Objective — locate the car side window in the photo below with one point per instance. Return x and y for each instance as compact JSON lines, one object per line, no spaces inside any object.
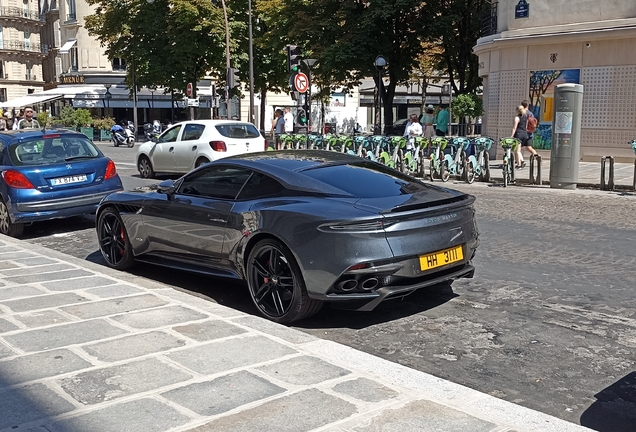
{"x":170,"y":135}
{"x":238,"y":130}
{"x":261,"y":186}
{"x":220,"y":182}
{"x":192,"y":132}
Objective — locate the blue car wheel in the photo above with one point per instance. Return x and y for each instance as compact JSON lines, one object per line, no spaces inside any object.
{"x":6,"y":226}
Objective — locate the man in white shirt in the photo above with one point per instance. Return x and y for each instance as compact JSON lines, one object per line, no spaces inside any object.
{"x":289,"y":121}
{"x":414,"y":128}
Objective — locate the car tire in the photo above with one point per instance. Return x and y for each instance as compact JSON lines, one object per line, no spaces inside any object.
{"x":200,"y":162}
{"x":6,"y":226}
{"x":113,"y":240}
{"x":278,"y":291}
{"x":144,"y":166}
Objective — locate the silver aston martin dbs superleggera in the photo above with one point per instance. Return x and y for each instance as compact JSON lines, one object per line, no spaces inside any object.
{"x":300,"y":227}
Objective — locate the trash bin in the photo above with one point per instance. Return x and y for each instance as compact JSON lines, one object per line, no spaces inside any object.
{"x":566,"y":136}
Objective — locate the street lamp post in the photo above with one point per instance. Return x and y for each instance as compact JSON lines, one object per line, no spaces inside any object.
{"x":380,"y":64}
{"x":251,"y":61}
{"x":310,"y":63}
{"x":152,"y":96}
{"x":107,"y":97}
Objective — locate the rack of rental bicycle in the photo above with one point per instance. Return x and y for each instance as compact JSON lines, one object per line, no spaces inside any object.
{"x":465,"y":158}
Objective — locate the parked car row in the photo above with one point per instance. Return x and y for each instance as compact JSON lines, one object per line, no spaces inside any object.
{"x":300,"y":228}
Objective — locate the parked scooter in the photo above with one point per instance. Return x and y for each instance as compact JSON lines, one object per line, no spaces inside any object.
{"x":122,"y":136}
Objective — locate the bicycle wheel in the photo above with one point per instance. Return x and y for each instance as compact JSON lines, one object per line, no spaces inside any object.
{"x":485,"y":170}
{"x":444,"y":171}
{"x":431,"y":170}
{"x":469,"y":172}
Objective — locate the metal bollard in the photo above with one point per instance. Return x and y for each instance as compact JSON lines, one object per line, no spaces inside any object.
{"x":535,"y":180}
{"x":634,"y":185}
{"x":610,"y":182}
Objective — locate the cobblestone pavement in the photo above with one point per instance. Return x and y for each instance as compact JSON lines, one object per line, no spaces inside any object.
{"x":86,"y":349}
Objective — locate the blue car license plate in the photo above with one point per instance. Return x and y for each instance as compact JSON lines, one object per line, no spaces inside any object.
{"x":68,"y":180}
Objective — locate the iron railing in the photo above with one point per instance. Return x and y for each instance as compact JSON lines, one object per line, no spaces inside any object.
{"x":489,"y":19}
{"x":14,"y":45}
{"x":17,"y":12}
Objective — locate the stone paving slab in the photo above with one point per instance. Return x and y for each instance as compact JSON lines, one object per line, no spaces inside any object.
{"x":106,"y":354}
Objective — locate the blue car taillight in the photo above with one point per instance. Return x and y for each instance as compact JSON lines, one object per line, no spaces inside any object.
{"x":16,"y":180}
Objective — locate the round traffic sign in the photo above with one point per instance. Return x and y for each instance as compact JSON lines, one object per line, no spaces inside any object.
{"x":301,"y":82}
{"x":189,"y":90}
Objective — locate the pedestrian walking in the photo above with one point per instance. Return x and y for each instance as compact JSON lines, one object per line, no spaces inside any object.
{"x":289,"y":121}
{"x":531,"y":126}
{"x":443,"y":117}
{"x":17,"y":118}
{"x":427,"y":120}
{"x":28,"y":122}
{"x":279,"y":127}
{"x":519,"y":132}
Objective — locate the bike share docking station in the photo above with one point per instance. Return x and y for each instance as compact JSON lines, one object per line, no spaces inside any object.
{"x":566,"y":136}
{"x":535,"y":159}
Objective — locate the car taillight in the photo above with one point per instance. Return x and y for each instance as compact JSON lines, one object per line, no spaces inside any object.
{"x":111,"y":171}
{"x":16,"y":180}
{"x":218,"y":146}
{"x":266,"y":145}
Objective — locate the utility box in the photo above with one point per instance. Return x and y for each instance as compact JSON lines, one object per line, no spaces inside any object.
{"x":566,"y":136}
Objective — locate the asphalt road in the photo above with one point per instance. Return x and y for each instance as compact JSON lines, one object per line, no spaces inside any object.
{"x":548,"y":322}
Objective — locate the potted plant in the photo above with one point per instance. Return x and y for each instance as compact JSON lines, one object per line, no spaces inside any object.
{"x":43,"y":118}
{"x":103,"y":125}
{"x":78,"y":119}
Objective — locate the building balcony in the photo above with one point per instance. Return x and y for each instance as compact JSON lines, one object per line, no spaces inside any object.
{"x":21,"y":47}
{"x":12,"y":13}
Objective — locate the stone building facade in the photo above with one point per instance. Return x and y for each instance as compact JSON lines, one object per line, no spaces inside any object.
{"x":528,"y":47}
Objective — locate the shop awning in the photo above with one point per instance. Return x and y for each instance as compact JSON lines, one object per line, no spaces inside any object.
{"x":67,"y":46}
{"x":29,"y":100}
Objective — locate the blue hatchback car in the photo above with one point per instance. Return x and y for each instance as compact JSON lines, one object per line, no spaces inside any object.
{"x":50,"y":174}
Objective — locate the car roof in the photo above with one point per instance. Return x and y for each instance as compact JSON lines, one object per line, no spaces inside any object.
{"x":215,"y":122}
{"x":17,"y":135}
{"x":287,"y":166}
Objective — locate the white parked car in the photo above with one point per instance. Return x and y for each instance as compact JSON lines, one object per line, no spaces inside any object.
{"x":189,"y":144}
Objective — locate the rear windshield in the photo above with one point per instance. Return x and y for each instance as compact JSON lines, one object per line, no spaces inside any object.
{"x":366,"y":180}
{"x":53,"y":149}
{"x":238,"y":130}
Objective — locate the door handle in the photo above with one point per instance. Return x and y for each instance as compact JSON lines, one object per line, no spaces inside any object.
{"x":171,"y":149}
{"x":194,"y":147}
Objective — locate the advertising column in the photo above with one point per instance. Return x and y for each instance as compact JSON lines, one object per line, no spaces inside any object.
{"x":566,"y":136}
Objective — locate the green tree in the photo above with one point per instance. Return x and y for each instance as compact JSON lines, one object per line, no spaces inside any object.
{"x":166,"y":43}
{"x":468,"y":105}
{"x":457,"y":25}
{"x":75,"y":118}
{"x":270,"y":61}
{"x":346,"y":37}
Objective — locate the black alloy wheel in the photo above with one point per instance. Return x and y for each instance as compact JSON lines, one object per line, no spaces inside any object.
{"x":276,"y":284}
{"x":113,"y":240}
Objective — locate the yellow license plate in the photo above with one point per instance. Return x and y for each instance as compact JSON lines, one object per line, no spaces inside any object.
{"x":441,"y":258}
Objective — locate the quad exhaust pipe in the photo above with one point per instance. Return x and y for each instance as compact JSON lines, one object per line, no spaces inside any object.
{"x":368,"y":284}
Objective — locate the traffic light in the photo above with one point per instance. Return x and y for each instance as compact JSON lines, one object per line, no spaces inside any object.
{"x":293,"y":58}
{"x":301,"y":118}
{"x":233,"y":79}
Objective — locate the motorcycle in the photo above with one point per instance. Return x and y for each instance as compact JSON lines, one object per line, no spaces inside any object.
{"x":122,"y":136}
{"x":152,"y":131}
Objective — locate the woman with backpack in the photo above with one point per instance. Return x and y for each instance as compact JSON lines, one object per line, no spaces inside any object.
{"x":520,"y":132}
{"x":531,"y":125}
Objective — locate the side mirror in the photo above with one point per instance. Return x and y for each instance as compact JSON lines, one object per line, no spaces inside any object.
{"x":167,"y":187}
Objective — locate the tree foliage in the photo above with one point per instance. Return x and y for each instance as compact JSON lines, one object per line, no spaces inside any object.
{"x":166,"y":43}
{"x":468,"y":105}
{"x":346,"y":37}
{"x":457,"y":25}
